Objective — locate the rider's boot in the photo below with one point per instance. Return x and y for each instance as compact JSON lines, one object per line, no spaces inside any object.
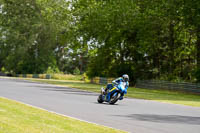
{"x":106,"y":91}
{"x":121,"y":97}
{"x":102,"y":90}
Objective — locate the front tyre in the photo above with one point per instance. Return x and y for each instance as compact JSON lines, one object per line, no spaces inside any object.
{"x":113,"y":98}
{"x":100,"y":99}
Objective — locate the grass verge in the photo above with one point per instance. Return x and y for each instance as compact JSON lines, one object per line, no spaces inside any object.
{"x":157,"y":95}
{"x":19,"y":118}
{"x":66,"y":77}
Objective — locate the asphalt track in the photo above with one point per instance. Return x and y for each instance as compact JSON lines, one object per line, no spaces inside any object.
{"x":132,"y":115}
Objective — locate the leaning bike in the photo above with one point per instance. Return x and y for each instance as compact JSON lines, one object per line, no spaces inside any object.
{"x":113,"y":94}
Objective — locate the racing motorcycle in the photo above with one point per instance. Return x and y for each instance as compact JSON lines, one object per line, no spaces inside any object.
{"x":113,"y":94}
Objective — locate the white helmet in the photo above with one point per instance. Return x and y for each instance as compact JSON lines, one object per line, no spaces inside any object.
{"x":125,"y":77}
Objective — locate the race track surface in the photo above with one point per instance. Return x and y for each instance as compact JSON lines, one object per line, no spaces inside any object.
{"x":132,"y":115}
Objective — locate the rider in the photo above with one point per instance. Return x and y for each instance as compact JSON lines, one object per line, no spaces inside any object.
{"x":124,"y":79}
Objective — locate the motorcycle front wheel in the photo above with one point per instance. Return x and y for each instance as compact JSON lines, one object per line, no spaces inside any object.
{"x":113,"y":98}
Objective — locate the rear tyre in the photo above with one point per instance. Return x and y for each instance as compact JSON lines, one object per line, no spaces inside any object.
{"x":100,"y":99}
{"x":113,"y":98}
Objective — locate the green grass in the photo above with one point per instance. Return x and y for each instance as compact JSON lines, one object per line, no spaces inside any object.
{"x":166,"y":96}
{"x":157,"y":95}
{"x":19,"y":118}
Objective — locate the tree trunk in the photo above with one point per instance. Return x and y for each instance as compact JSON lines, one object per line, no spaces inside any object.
{"x":198,"y":47}
{"x":172,"y":46}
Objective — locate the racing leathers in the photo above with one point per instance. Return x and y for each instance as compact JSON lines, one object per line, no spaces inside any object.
{"x":116,"y":82}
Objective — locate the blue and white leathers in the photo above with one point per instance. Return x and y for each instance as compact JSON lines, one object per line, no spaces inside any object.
{"x":121,"y":80}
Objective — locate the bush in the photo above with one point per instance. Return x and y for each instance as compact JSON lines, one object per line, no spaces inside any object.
{"x":3,"y":70}
{"x":51,"y":70}
{"x":86,"y":78}
{"x":197,"y":74}
{"x":76,"y":71}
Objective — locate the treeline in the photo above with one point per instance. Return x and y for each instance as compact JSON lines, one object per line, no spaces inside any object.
{"x":157,"y":39}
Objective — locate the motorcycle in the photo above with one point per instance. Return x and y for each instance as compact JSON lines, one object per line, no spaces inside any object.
{"x":113,"y":94}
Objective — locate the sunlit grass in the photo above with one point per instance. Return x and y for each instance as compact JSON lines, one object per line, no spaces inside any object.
{"x":166,"y":96}
{"x":19,"y":118}
{"x":149,"y":94}
{"x":67,"y":77}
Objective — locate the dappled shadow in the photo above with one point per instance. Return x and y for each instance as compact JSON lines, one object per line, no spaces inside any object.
{"x":66,"y":90}
{"x":23,"y":81}
{"x":177,"y":119}
{"x":83,"y":93}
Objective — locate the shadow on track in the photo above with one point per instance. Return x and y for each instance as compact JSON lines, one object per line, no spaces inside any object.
{"x":178,"y":119}
{"x":105,"y":103}
{"x":66,"y":90}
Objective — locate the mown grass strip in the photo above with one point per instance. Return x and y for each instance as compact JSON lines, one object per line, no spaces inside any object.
{"x":19,"y":118}
{"x":157,"y":95}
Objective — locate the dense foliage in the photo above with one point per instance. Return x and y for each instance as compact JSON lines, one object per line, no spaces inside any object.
{"x":157,"y":39}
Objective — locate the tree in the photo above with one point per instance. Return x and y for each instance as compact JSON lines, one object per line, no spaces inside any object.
{"x":31,"y":29}
{"x":147,"y":39}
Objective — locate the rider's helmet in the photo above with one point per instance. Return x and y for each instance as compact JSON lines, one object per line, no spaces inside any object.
{"x":125,"y":77}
